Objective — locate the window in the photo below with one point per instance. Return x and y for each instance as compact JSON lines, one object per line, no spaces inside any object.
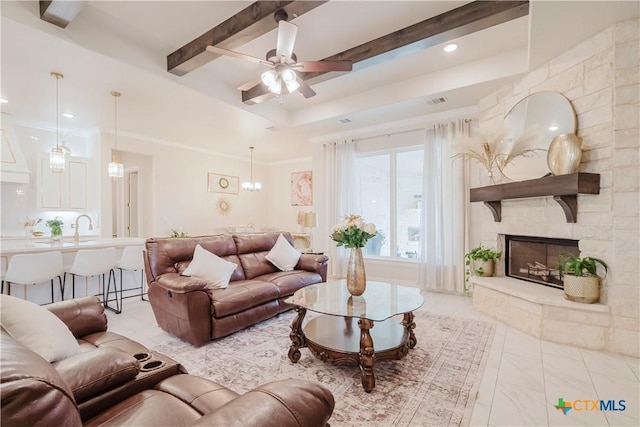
{"x":389,"y":186}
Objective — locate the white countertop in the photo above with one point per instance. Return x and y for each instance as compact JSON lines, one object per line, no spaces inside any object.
{"x":17,"y":246}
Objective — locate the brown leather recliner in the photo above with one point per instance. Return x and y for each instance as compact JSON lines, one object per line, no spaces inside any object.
{"x":187,"y":308}
{"x":107,"y":385}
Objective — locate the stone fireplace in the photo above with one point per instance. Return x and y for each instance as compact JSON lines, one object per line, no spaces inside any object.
{"x":535,"y":259}
{"x":596,"y":76}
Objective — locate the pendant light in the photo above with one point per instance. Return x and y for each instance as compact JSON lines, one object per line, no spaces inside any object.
{"x":56,"y":157}
{"x":116,"y":169}
{"x":251,"y":185}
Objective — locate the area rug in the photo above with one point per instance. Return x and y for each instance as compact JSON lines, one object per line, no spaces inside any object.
{"x":434,"y":385}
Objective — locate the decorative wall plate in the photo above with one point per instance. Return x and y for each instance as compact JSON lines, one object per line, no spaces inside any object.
{"x":224,"y":206}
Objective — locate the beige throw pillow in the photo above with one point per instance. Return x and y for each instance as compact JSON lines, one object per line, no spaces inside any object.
{"x":283,"y":255}
{"x":210,"y":268}
{"x":37,"y":328}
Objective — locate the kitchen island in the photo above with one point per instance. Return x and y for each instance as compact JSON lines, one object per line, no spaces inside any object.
{"x":14,"y":246}
{"x":10,"y":246}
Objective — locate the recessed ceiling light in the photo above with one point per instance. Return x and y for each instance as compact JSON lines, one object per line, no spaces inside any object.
{"x":35,"y":138}
{"x":68,"y":115}
{"x":3,"y":100}
{"x":552,"y":128}
{"x":450,"y":47}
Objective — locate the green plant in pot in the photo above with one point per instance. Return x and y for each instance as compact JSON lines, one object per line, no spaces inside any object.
{"x":56,"y":225}
{"x":481,"y":261}
{"x":178,"y":233}
{"x":580,"y":277}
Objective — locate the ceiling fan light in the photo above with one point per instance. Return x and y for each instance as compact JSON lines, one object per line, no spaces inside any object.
{"x":292,"y":86}
{"x":289,"y":76}
{"x":276,"y":87}
{"x":269,"y":77}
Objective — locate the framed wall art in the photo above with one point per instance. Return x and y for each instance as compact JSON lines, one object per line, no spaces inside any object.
{"x":217,"y":183}
{"x":301,"y":188}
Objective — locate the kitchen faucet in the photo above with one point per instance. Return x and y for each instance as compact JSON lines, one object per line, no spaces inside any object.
{"x":76,"y":235}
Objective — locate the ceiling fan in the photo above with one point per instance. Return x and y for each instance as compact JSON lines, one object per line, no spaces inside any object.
{"x":283,"y":63}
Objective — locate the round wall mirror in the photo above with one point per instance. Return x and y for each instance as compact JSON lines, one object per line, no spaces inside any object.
{"x":532,"y":124}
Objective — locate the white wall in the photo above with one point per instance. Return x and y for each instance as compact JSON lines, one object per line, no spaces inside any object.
{"x":177,"y":183}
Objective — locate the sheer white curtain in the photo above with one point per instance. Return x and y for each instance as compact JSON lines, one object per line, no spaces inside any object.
{"x":339,"y":195}
{"x":445,"y":194}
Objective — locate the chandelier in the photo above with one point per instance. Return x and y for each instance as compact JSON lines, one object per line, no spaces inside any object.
{"x":116,"y":169}
{"x":251,"y":185}
{"x":56,"y":157}
{"x":279,"y":75}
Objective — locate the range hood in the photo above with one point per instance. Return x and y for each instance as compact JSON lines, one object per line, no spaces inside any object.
{"x":13,"y":166}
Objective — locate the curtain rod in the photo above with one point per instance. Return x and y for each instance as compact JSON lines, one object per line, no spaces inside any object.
{"x":400,"y":132}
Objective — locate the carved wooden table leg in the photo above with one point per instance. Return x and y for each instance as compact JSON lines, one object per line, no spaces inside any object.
{"x":367,"y":356}
{"x":410,"y":325}
{"x":297,"y":335}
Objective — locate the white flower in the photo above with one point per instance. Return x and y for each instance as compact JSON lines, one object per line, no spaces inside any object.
{"x":370,"y":228}
{"x":359,"y":223}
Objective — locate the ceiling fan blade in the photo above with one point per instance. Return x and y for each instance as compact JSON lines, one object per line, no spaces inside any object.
{"x":251,"y":83}
{"x":286,"y":38}
{"x":305,"y":89}
{"x":321,"y":66}
{"x":238,"y":55}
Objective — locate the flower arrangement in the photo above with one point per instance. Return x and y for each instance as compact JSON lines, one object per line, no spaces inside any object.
{"x":353,"y":232}
{"x":492,"y":151}
{"x":31,"y":222}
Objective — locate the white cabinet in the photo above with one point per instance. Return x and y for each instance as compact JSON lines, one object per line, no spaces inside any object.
{"x":68,"y":190}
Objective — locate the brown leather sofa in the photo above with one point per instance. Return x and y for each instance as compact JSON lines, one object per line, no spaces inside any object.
{"x":186,"y":308}
{"x":116,"y":381}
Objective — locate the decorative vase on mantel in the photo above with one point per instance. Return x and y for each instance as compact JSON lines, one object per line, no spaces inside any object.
{"x":564,"y":154}
{"x":356,"y":276}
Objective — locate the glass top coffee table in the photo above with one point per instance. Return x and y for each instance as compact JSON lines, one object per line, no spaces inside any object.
{"x":331,"y":336}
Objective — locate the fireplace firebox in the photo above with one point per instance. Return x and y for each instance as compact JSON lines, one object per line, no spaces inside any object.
{"x":535,"y":259}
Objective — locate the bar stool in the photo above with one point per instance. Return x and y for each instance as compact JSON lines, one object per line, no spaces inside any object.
{"x":132,"y":260}
{"x":98,"y":263}
{"x":31,"y":269}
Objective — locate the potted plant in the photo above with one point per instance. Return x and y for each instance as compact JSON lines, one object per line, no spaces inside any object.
{"x":580,"y":278}
{"x":56,"y":225}
{"x":481,"y":261}
{"x":178,"y":233}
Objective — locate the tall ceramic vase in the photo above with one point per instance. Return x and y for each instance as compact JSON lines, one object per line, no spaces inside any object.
{"x":356,"y":276}
{"x":564,"y":154}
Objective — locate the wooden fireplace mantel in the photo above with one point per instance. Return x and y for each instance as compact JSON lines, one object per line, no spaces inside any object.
{"x":563,"y":188}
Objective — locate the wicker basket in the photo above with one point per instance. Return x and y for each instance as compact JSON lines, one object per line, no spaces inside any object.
{"x":582,"y":289}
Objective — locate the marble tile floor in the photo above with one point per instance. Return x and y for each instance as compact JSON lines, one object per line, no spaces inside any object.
{"x":523,"y":378}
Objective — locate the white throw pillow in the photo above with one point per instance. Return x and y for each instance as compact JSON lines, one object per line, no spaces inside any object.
{"x":37,"y":328}
{"x":283,"y":255}
{"x":210,"y":267}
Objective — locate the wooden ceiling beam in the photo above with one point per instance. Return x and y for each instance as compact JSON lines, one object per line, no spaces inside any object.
{"x":248,"y":24}
{"x":452,"y":24}
{"x":59,"y":12}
